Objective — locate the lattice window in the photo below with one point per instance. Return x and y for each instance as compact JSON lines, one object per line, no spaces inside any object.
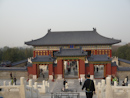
{"x":94,"y":52}
{"x":105,"y":51}
{"x":38,"y":52}
{"x":43,"y":52}
{"x":99,"y":52}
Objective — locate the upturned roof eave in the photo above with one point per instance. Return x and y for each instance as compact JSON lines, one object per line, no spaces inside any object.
{"x":72,"y":44}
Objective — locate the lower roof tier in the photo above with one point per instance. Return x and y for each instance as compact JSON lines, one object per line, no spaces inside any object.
{"x":70,"y":52}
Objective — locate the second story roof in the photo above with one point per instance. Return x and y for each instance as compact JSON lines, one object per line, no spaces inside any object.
{"x":71,"y":52}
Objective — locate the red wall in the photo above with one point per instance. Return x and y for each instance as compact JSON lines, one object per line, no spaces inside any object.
{"x":50,"y":69}
{"x":32,"y":70}
{"x":81,"y":67}
{"x":59,"y":67}
{"x":91,"y":66}
{"x":108,"y":69}
{"x":55,"y":70}
{"x":87,"y":70}
{"x":114,"y":70}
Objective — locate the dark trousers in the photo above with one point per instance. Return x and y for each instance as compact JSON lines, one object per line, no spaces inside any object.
{"x":89,"y":95}
{"x":15,"y":82}
{"x":80,"y":83}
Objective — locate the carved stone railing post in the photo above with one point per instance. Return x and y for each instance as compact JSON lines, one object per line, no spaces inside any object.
{"x":95,"y":85}
{"x":43,"y":86}
{"x":109,"y":92}
{"x":48,"y":85}
{"x":128,"y":90}
{"x":35,"y":87}
{"x":103,"y":89}
{"x":22,"y":88}
{"x":99,"y":90}
{"x":4,"y":83}
{"x":9,"y":83}
{"x":31,"y":87}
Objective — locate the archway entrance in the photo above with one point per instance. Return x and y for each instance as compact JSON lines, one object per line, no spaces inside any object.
{"x":70,"y":69}
{"x":99,"y":71}
{"x":44,"y":72}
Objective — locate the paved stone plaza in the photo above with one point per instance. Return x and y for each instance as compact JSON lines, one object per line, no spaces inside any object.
{"x":57,"y":85}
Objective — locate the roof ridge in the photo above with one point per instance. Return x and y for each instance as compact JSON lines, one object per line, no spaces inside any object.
{"x":69,"y":31}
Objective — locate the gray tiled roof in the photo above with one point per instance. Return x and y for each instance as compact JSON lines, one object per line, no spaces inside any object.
{"x":123,"y":60}
{"x":6,"y":63}
{"x":44,"y":58}
{"x":14,"y":68}
{"x":72,"y":38}
{"x":71,"y":52}
{"x":99,"y":58}
{"x":19,"y":62}
{"x":123,"y":68}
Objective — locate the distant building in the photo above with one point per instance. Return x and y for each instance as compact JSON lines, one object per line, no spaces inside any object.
{"x":59,"y":51}
{"x":5,"y":64}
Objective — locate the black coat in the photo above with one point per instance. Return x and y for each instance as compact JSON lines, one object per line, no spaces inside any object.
{"x":64,"y":82}
{"x":87,"y":83}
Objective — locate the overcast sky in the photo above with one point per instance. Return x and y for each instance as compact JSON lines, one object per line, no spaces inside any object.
{"x":24,"y":20}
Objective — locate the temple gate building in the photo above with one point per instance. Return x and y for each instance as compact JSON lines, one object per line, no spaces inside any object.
{"x":72,"y":54}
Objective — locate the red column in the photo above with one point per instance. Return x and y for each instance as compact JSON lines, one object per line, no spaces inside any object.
{"x":110,"y":53}
{"x":59,"y":67}
{"x":91,"y":69}
{"x":50,"y":69}
{"x":81,"y":67}
{"x":95,"y":52}
{"x":33,"y":53}
{"x":108,"y":71}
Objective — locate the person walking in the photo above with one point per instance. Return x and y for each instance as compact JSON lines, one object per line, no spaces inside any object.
{"x":15,"y":80}
{"x":64,"y":82}
{"x":66,"y":86}
{"x":12,"y":81}
{"x":97,"y":69}
{"x":43,"y":75}
{"x":80,"y":81}
{"x":90,"y":88}
{"x":11,"y":75}
{"x":123,"y":83}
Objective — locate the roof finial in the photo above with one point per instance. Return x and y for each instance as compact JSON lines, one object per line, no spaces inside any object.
{"x":94,"y":29}
{"x":49,"y":30}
